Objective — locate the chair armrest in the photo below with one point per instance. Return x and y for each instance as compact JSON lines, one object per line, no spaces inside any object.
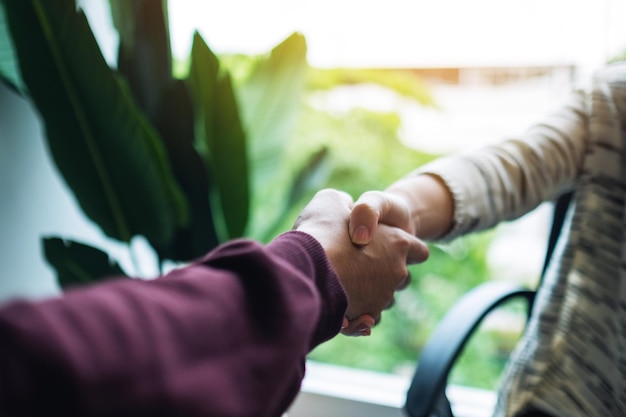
{"x":427,"y":390}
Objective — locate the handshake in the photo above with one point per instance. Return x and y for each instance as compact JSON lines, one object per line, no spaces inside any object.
{"x":369,"y":243}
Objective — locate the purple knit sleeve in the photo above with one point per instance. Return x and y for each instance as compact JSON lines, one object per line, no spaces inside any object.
{"x":226,"y":336}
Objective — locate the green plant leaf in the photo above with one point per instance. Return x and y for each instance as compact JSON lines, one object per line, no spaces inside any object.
{"x":174,"y":119}
{"x":311,"y":176}
{"x":77,"y":263}
{"x":123,"y":15}
{"x":144,"y":59}
{"x":144,"y":55}
{"x":9,"y":69}
{"x":107,"y":151}
{"x":221,"y":138}
{"x":271,"y":100}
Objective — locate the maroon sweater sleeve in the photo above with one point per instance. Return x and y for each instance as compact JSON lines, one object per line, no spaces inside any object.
{"x":226,"y":336}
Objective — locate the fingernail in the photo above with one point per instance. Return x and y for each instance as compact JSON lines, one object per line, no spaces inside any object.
{"x":366,"y":332}
{"x":344,"y":323}
{"x":368,"y":321}
{"x":360,"y":235}
{"x":363,"y":328}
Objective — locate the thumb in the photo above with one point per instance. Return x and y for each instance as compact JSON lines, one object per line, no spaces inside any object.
{"x":362,"y":223}
{"x":375,"y":207}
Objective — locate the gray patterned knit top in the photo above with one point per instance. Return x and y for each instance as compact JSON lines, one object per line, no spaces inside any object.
{"x":572,"y":359}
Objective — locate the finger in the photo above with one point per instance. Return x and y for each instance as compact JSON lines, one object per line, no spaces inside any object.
{"x":345,"y":323}
{"x":329,"y":198}
{"x":391,"y":209}
{"x":362,"y":224}
{"x":375,"y":207}
{"x":325,"y":203}
{"x":417,"y":252}
{"x":404,"y":283}
{"x":360,"y":326}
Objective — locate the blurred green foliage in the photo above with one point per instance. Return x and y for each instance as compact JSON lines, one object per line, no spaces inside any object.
{"x":355,"y":150}
{"x":618,"y":58}
{"x":365,"y":153}
{"x":179,"y":154}
{"x":402,"y":82}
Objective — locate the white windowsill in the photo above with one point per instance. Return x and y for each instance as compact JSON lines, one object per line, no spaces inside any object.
{"x":334,"y":391}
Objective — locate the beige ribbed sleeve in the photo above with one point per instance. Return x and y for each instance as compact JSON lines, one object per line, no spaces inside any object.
{"x":505,"y":181}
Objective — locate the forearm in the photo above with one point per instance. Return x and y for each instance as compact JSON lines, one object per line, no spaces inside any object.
{"x":475,"y":190}
{"x":225,"y":336}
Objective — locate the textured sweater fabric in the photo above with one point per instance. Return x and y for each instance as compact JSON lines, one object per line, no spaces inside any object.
{"x":571,"y":360}
{"x":225,"y":336}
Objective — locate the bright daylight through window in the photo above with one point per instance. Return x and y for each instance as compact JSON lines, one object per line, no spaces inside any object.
{"x":407,"y":80}
{"x":390,"y":86}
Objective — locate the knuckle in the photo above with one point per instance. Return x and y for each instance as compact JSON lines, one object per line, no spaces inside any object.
{"x":403,"y":242}
{"x":372,"y":194}
{"x":326,"y":192}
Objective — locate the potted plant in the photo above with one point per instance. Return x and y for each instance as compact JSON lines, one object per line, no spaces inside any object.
{"x":177,"y":159}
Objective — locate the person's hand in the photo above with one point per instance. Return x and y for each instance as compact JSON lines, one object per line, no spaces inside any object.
{"x":371,"y":208}
{"x":374,"y":207}
{"x":370,"y":274}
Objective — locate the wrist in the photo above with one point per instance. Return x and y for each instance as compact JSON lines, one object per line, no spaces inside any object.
{"x":403,"y":197}
{"x":430,"y":202}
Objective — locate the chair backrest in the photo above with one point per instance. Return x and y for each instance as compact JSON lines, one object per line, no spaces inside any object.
{"x":560,"y":209}
{"x":426,"y":396}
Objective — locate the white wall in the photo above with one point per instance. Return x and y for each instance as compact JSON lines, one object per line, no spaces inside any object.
{"x":34,"y":202}
{"x":29,"y":200}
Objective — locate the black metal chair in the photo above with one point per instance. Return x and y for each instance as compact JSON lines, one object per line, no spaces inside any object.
{"x":426,"y":396}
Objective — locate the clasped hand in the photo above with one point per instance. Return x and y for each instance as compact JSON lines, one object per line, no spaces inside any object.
{"x":369,"y":273}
